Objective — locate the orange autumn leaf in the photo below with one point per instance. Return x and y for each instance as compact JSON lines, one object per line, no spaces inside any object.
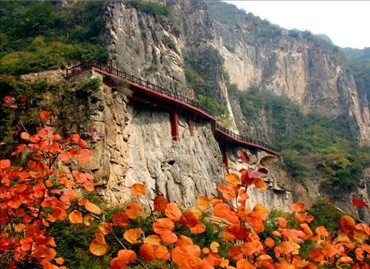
{"x":306,"y":229}
{"x":15,"y":202}
{"x":269,"y":242}
{"x":188,"y":219}
{"x":92,"y":208}
{"x":240,"y":232}
{"x":59,"y":260}
{"x":297,"y":207}
{"x":281,"y":222}
{"x":198,"y":229}
{"x":39,"y":190}
{"x":243,"y":195}
{"x":44,"y":115}
{"x":214,"y":247}
{"x":185,"y":254}
{"x":4,"y":164}
{"x":329,"y":250}
{"x":228,"y":192}
{"x":117,"y":263}
{"x":221,"y":210}
{"x":162,"y":253}
{"x":98,"y":248}
{"x":84,"y":156}
{"x":147,"y":252}
{"x":138,"y":189}
{"x":132,"y":235}
{"x":163,"y":224}
{"x":346,"y":224}
{"x":203,"y":202}
{"x":173,"y":212}
{"x":363,"y":227}
{"x":127,"y":256}
{"x":300,"y":217}
{"x":160,"y":203}
{"x":233,"y":179}
{"x":344,"y":260}
{"x":25,"y":136}
{"x":232,"y":217}
{"x":309,"y":219}
{"x":205,"y":250}
{"x":244,"y":264}
{"x":249,"y":248}
{"x":235,"y":253}
{"x":120,"y":219}
{"x":260,"y":184}
{"x":133,"y":210}
{"x":44,"y":251}
{"x":87,"y":218}
{"x":283,"y":249}
{"x":255,"y":221}
{"x":321,"y":231}
{"x":168,"y":237}
{"x":105,"y":227}
{"x":75,"y":217}
{"x":89,"y":185}
{"x":316,"y":255}
{"x":261,"y":210}
{"x":152,"y":240}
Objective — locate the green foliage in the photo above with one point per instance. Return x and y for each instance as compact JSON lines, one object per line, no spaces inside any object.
{"x":202,"y":71}
{"x":24,"y":113}
{"x":151,"y":8}
{"x":35,"y":36}
{"x":88,"y":87}
{"x":73,"y":241}
{"x":272,"y":225}
{"x":361,"y":71}
{"x":212,"y":105}
{"x":325,"y":214}
{"x":313,"y":146}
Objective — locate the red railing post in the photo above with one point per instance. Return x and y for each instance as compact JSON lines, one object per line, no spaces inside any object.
{"x":191,"y":127}
{"x":174,"y":119}
{"x":225,"y":157}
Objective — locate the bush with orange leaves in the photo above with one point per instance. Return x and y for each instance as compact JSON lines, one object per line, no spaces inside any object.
{"x":241,"y":227}
{"x":36,"y":196}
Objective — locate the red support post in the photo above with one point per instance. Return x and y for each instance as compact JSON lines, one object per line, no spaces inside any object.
{"x":174,"y":119}
{"x":225,"y":157}
{"x":191,"y":127}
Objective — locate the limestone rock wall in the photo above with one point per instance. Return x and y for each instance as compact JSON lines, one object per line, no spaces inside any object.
{"x":289,"y":63}
{"x":133,"y":143}
{"x":294,"y":64}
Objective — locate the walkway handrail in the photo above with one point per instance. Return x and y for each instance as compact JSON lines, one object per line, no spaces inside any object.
{"x":178,"y":96}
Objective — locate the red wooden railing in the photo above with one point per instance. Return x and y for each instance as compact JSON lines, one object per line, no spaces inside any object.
{"x":172,"y":98}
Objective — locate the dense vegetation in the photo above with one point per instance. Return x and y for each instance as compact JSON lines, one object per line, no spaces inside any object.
{"x":314,"y":147}
{"x":35,"y":36}
{"x":203,"y":71}
{"x":151,"y":8}
{"x":359,"y":62}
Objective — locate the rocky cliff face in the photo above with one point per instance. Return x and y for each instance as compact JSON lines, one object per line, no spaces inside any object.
{"x":295,"y":64}
{"x":137,"y":145}
{"x":133,"y":143}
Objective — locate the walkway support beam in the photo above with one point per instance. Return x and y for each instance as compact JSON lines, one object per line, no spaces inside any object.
{"x":174,"y":119}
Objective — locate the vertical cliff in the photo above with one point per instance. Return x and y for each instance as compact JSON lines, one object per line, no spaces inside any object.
{"x":136,"y":144}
